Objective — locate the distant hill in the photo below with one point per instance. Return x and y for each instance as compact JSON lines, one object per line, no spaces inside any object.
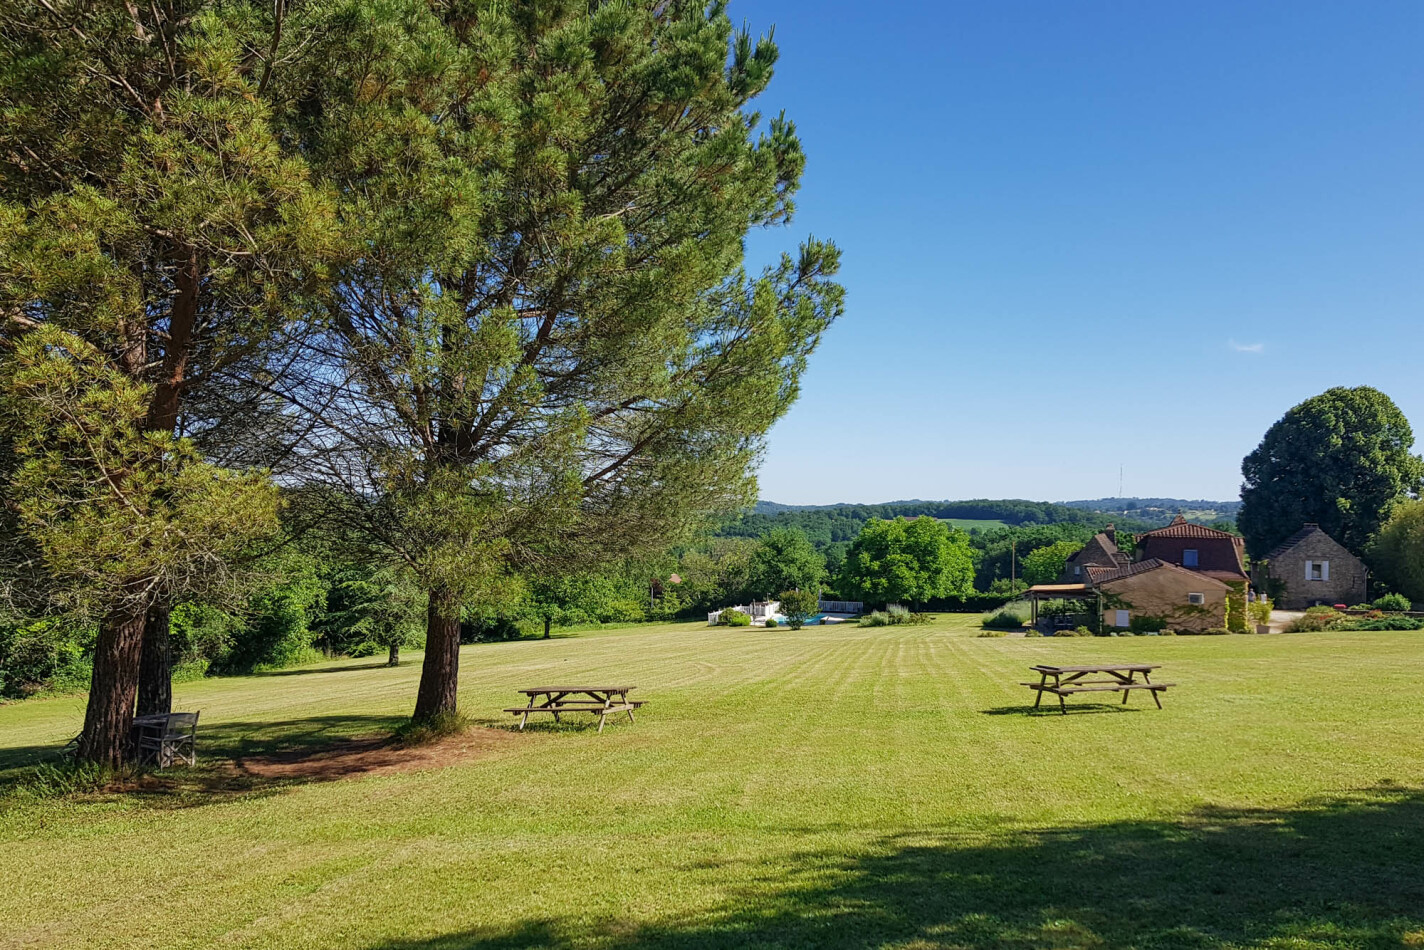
{"x":1153,"y":509}
{"x":829,"y":524}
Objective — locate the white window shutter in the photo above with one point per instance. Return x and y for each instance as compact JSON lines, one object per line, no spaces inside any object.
{"x":1309,"y":569}
{"x":1325,"y":570}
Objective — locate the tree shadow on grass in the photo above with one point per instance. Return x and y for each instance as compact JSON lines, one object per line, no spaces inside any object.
{"x":1074,"y":709}
{"x":1331,"y":875}
{"x":309,"y":670}
{"x":246,"y":759}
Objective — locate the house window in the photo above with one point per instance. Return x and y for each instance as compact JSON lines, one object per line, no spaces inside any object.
{"x":1121,"y":619}
{"x":1077,"y":569}
{"x":1197,"y":599}
{"x":1317,"y":570}
{"x":1189,"y":557}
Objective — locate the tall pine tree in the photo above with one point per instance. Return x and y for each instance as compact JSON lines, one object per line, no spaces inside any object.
{"x":548,"y":353}
{"x":156,"y":228}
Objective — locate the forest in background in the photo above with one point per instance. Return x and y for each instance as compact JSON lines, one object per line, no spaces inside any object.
{"x":319,"y":603}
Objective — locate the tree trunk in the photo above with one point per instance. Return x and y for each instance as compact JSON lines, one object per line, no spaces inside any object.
{"x":155,"y":670}
{"x":109,"y":718}
{"x":547,"y":624}
{"x":394,"y":659}
{"x":440,"y":673}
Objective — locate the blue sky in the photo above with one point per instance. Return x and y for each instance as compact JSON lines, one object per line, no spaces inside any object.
{"x":1086,"y":235}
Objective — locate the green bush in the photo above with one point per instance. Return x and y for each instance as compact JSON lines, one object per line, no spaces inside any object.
{"x":735,"y":618}
{"x":1216,"y":632}
{"x":1379,"y":623}
{"x":798,"y":605}
{"x":1033,"y":633}
{"x":45,"y":654}
{"x":1075,"y":632}
{"x":993,"y":633}
{"x":1259,"y":610}
{"x":1145,"y":623}
{"x":1393,"y":602}
{"x":773,"y":622}
{"x":1168,"y":633}
{"x":1006,"y":619}
{"x":1315,"y":620}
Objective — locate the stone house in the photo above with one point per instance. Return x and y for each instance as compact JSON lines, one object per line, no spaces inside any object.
{"x":1310,"y":568}
{"x":1184,"y":599}
{"x":1100,"y":551}
{"x":1195,"y":547}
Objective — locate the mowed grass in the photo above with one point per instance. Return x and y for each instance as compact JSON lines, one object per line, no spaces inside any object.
{"x":832,"y":787}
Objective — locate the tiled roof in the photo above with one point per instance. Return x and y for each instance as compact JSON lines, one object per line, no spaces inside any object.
{"x":1290,"y":542}
{"x":1100,"y":576}
{"x":1100,"y":550}
{"x":1182,"y":528}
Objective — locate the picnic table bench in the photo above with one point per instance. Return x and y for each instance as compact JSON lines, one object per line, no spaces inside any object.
{"x":557,"y":700}
{"x":1121,"y":677}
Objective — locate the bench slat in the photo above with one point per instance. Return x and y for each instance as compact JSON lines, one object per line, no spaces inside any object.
{"x":1120,"y":688}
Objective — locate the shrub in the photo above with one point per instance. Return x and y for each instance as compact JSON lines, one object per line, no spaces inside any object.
{"x":1144,"y":624}
{"x":773,"y":622}
{"x":1395,"y":602}
{"x":1075,"y":632}
{"x":1033,"y":633}
{"x":1168,"y":633}
{"x":1315,"y":620}
{"x":1395,"y":622}
{"x":735,"y":618}
{"x":1216,"y":632}
{"x":893,"y":615}
{"x":993,"y":633}
{"x":1006,"y":619}
{"x":45,"y":654}
{"x":1259,"y":610}
{"x":798,"y":605}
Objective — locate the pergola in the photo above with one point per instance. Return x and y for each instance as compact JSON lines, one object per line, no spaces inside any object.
{"x":1060,"y":592}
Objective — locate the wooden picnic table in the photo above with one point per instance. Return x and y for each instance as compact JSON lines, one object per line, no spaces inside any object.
{"x":1122,"y":677}
{"x":557,"y":700}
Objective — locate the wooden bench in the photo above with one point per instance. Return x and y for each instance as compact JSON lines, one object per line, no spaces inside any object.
{"x":162,"y":738}
{"x":1067,"y":680}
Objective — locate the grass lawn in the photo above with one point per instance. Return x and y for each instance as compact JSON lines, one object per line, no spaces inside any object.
{"x":832,"y":787}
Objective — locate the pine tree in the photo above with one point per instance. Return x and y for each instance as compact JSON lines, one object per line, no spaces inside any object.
{"x":156,"y":229}
{"x":548,"y":354}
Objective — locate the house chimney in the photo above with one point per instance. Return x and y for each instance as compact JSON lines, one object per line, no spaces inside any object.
{"x":1111,"y":532}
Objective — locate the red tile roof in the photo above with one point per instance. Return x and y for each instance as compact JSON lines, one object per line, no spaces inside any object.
{"x":1182,"y":528}
{"x":1100,"y":576}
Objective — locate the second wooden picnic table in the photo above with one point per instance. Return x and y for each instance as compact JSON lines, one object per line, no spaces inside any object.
{"x":557,"y":700}
{"x":1122,"y":677}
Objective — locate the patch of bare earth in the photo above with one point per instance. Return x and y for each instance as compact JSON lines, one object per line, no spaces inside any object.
{"x":376,"y":755}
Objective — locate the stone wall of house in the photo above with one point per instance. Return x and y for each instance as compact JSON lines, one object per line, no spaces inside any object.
{"x":1347,"y":574}
{"x":1163,"y":593}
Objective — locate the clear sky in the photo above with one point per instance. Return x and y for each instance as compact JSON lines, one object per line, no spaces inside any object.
{"x":1086,"y":235}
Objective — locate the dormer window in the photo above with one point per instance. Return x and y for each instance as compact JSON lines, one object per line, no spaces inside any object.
{"x":1189,"y":557}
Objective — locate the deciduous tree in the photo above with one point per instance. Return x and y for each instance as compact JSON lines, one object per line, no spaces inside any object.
{"x":909,"y":561}
{"x":785,"y":560}
{"x":1397,"y":552}
{"x":1340,"y":460}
